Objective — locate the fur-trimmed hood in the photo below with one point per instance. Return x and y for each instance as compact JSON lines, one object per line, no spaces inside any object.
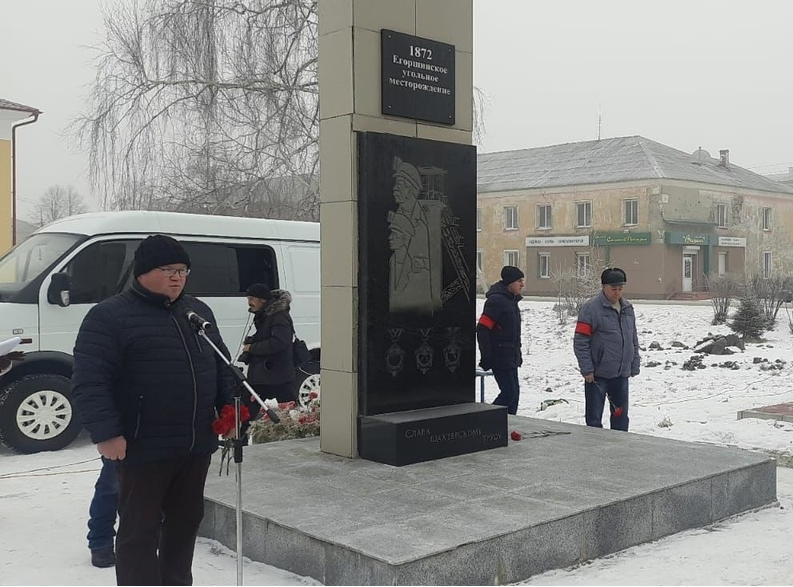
{"x":280,"y":302}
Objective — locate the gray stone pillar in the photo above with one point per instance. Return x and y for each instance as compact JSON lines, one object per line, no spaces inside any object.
{"x":350,"y":102}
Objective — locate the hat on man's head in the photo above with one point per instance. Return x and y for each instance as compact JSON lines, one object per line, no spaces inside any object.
{"x":158,"y":250}
{"x":259,"y":290}
{"x":510,"y":274}
{"x":614,"y":276}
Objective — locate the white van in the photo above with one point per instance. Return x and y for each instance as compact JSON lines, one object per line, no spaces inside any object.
{"x":50,"y":281}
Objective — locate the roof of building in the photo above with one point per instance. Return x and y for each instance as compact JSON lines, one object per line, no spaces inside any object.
{"x":9,"y":105}
{"x":611,"y":160}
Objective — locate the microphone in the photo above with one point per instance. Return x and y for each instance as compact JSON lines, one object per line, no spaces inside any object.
{"x":198,"y":321}
{"x":272,"y":415}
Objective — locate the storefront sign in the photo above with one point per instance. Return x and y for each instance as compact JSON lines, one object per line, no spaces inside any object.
{"x":558,"y":241}
{"x":622,"y":238}
{"x":685,"y":238}
{"x":732,"y":241}
{"x":417,"y":77}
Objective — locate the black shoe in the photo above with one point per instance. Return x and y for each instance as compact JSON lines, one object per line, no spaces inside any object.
{"x":103,"y":557}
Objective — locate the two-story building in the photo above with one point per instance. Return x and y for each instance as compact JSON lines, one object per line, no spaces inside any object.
{"x":12,"y":116}
{"x":667,"y":217}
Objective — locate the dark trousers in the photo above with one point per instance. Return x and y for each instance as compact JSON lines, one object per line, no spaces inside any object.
{"x":104,"y":507}
{"x":616,"y":390}
{"x":508,"y":384}
{"x":161,"y":505}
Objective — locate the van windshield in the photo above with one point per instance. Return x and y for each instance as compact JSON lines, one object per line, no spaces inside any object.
{"x":25,"y":262}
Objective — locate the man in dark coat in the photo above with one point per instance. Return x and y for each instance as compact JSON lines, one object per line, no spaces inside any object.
{"x":271,"y":368}
{"x":148,"y":388}
{"x":606,"y":346}
{"x":498,"y":334}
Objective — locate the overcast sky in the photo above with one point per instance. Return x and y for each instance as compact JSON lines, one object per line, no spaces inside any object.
{"x":686,"y":73}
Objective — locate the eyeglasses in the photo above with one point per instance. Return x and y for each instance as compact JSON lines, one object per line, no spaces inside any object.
{"x":171,"y":271}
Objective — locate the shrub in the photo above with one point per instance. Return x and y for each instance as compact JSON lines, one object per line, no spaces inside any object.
{"x":748,"y":320}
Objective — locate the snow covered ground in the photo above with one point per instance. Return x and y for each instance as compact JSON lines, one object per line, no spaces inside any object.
{"x":44,"y":497}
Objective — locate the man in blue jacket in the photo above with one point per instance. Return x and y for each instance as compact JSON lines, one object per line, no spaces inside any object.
{"x":148,"y":388}
{"x":606,"y":346}
{"x":498,"y":334}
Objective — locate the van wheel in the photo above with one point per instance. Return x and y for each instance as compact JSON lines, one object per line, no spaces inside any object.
{"x":36,"y":414}
{"x":307,"y":381}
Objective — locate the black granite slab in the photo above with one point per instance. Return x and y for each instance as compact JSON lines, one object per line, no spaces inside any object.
{"x":415,"y":436}
{"x":417,"y":243}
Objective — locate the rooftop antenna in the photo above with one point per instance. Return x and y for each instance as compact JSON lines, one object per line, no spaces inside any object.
{"x":600,"y":119}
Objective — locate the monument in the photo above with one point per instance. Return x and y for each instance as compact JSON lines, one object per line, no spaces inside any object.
{"x":398,"y":204}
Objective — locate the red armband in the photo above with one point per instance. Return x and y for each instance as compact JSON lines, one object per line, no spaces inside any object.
{"x":487,"y":322}
{"x":583,"y":328}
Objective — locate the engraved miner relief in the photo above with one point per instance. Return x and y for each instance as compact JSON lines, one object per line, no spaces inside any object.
{"x":451,"y":352}
{"x":421,"y":229}
{"x":415,"y":267}
{"x":394,"y":355}
{"x":425,"y":353}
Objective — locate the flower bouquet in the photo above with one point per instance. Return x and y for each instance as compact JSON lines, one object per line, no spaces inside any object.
{"x":297,"y":421}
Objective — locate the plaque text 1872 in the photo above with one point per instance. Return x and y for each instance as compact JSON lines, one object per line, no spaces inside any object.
{"x":417,"y":77}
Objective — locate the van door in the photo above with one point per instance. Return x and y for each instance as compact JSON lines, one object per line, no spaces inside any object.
{"x":302,"y":270}
{"x":96,"y":271}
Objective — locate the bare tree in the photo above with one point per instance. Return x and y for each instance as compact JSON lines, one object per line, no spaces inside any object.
{"x":197,"y":102}
{"x":770,"y":295}
{"x":725,"y":288}
{"x":210,"y":106}
{"x":57,"y":202}
{"x":575,"y":285}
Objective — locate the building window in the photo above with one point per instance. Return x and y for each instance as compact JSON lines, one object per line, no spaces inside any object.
{"x":767,"y":265}
{"x":722,"y":264}
{"x":721,"y":215}
{"x":583,"y":214}
{"x":510,"y":218}
{"x":544,"y":217}
{"x":582,"y":266}
{"x":544,"y":265}
{"x":478,"y":219}
{"x":479,"y":261}
{"x":511,"y":258}
{"x":766,"y":218}
{"x":631,"y":212}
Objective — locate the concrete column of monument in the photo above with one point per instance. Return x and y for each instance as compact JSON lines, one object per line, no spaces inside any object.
{"x":389,"y":305}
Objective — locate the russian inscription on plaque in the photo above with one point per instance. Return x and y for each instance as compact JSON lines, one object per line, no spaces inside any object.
{"x":417,"y":77}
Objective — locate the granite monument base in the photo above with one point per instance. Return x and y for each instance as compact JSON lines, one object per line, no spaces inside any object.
{"x":563,"y":495}
{"x":415,"y":436}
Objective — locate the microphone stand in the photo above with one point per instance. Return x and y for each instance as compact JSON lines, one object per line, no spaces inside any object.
{"x":242,"y":381}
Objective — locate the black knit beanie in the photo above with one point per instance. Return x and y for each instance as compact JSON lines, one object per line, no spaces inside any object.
{"x":510,"y":274}
{"x":158,"y":250}
{"x":259,"y":290}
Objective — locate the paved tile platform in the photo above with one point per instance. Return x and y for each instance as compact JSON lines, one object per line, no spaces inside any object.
{"x":776,"y":412}
{"x":563,"y":495}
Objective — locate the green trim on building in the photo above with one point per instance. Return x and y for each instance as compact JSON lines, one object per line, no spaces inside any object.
{"x":623,"y":238}
{"x":686,"y":238}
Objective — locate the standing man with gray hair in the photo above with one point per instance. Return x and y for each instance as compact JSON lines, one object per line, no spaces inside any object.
{"x":606,"y":346}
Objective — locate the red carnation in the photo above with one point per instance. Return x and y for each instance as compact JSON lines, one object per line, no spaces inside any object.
{"x":618,"y":412}
{"x":516,"y":435}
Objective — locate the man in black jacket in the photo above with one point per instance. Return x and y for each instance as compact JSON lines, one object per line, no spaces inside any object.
{"x":498,"y":334}
{"x":148,"y":388}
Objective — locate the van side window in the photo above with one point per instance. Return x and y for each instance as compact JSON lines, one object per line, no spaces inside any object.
{"x":100,"y":271}
{"x":228,"y":269}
